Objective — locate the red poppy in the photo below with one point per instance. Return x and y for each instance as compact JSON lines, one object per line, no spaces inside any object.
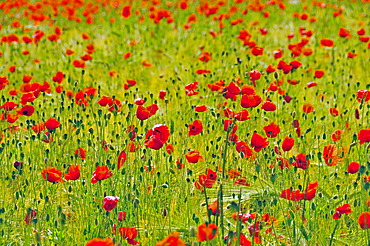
{"x":336,"y":135}
{"x":143,"y":113}
{"x":194,"y":156}
{"x":122,"y":215}
{"x":363,"y":96}
{"x":257,"y":51}
{"x":129,"y":234}
{"x":207,"y":232}
{"x":31,"y":215}
{"x":295,"y":64}
{"x":301,"y":161}
{"x":327,"y":42}
{"x":73,"y":172}
{"x":310,"y":192}
{"x":242,"y":116}
{"x":100,"y":242}
{"x":195,"y":128}
{"x":139,"y":101}
{"x":79,"y":63}
{"x":110,"y":202}
{"x":361,"y":32}
{"x":330,"y":155}
{"x":26,"y":110}
{"x":157,"y":136}
{"x":101,"y":173}
{"x":344,"y":32}
{"x":9,"y":106}
{"x":345,"y":209}
{"x":27,"y":78}
{"x":52,"y":124}
{"x":230,"y":126}
{"x":308,"y":108}
{"x":162,"y":94}
{"x":242,"y":147}
{"x":319,"y":73}
{"x":268,"y":106}
{"x":258,"y":142}
{"x":364,"y":135}
{"x":250,"y":101}
{"x":231,"y":91}
{"x":121,"y":159}
{"x":81,"y":153}
{"x":287,"y":144}
{"x":292,"y":195}
{"x":353,"y":167}
{"x":52,"y":175}
{"x":126,"y":11}
{"x":272,"y":130}
{"x":200,"y":108}
{"x":173,"y":239}
{"x":364,"y":220}
{"x":205,"y":56}
{"x":169,"y":149}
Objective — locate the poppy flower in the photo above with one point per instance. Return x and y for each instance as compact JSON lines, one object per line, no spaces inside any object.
{"x":344,"y":32}
{"x":330,"y":155}
{"x":173,"y":239}
{"x":195,"y":128}
{"x":258,"y":142}
{"x":242,"y":116}
{"x":100,"y":242}
{"x":205,"y":56}
{"x":31,"y":215}
{"x":327,"y":42}
{"x":242,"y":181}
{"x":319,"y":73}
{"x":73,"y":172}
{"x":250,"y":101}
{"x":364,"y":135}
{"x":242,"y":147}
{"x":231,"y":91}
{"x":139,"y":101}
{"x":257,"y":51}
{"x":81,"y":153}
{"x":162,"y":94}
{"x":364,"y":220}
{"x":157,"y":136}
{"x":143,"y":113}
{"x":353,"y":167}
{"x":363,"y":96}
{"x":292,"y":195}
{"x":121,"y":159}
{"x":27,"y":78}
{"x":169,"y":149}
{"x":207,"y":232}
{"x":336,"y":135}
{"x":52,"y":124}
{"x":126,"y":11}
{"x":308,"y":108}
{"x":287,"y":144}
{"x":272,"y":130}
{"x":26,"y":110}
{"x":122,"y":215}
{"x":194,"y":156}
{"x":301,"y":161}
{"x":310,"y":192}
{"x":8,"y":106}
{"x":268,"y":106}
{"x":129,"y":234}
{"x":230,"y":126}
{"x":110,"y":202}
{"x":200,"y":108}
{"x":101,"y":173}
{"x":345,"y":209}
{"x":52,"y":175}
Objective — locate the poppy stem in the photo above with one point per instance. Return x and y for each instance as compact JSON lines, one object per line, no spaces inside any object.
{"x":332,"y":234}
{"x":221,"y":212}
{"x":239,"y":222}
{"x":207,"y":208}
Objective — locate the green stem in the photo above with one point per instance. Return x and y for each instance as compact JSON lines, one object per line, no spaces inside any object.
{"x":332,"y":235}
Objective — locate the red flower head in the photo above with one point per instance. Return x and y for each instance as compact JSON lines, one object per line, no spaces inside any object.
{"x":143,"y":113}
{"x":162,"y":94}
{"x":9,"y":106}
{"x":319,"y":73}
{"x":345,"y":209}
{"x":301,"y":161}
{"x":52,"y":175}
{"x":129,"y":234}
{"x":364,"y":135}
{"x":268,"y":106}
{"x":327,"y":42}
{"x":81,"y":153}
{"x":173,"y":239}
{"x":101,"y":173}
{"x":353,"y":167}
{"x":58,"y":77}
{"x":73,"y":172}
{"x":195,"y":128}
{"x":242,"y":147}
{"x":52,"y":124}
{"x":250,"y":101}
{"x":200,"y":108}
{"x":310,"y":192}
{"x":242,"y":116}
{"x":288,"y":143}
{"x":194,"y":156}
{"x":363,"y":96}
{"x":121,"y":159}
{"x":257,"y":51}
{"x":100,"y":242}
{"x":272,"y":130}
{"x":31,"y":214}
{"x":26,"y":110}
{"x":207,"y":232}
{"x":110,"y":202}
{"x":308,"y":108}
{"x":126,"y":11}
{"x":364,"y":220}
{"x":190,"y":88}
{"x":205,"y":56}
{"x":258,"y":142}
{"x":157,"y":136}
{"x":292,"y":195}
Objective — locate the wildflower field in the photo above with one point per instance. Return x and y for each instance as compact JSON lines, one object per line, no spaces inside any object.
{"x":184,"y":122}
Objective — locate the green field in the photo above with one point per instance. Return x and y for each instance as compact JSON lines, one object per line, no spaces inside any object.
{"x":184,"y":122}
